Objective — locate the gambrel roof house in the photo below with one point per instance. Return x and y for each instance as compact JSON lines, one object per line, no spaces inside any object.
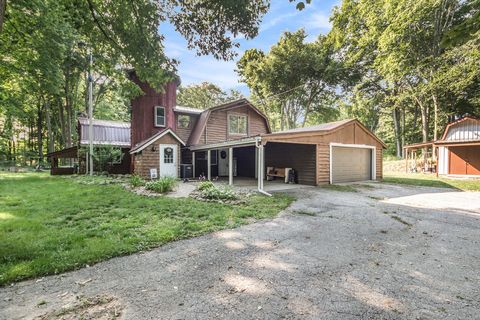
{"x":235,"y":140}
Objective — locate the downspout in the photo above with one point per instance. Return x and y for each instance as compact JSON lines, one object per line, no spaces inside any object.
{"x":260,"y":166}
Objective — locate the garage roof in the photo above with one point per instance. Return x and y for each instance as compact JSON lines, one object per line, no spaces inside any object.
{"x":321,"y":129}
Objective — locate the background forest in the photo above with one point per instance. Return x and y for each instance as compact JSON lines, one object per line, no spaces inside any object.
{"x":402,"y":67}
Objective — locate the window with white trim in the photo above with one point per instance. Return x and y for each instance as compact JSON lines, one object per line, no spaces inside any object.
{"x":237,"y":124}
{"x":159,"y":116}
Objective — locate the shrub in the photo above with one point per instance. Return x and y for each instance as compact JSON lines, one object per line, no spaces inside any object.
{"x":204,"y":185}
{"x":162,"y":185}
{"x":214,"y":193}
{"x":136,"y":181}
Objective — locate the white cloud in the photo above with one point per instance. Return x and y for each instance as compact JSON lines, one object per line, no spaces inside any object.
{"x":318,"y":21}
{"x":206,"y":68}
{"x":277,"y":20}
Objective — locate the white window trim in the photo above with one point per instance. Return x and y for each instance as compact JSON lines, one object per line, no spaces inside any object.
{"x":164,"y":117}
{"x":246,"y":122}
{"x":361,"y":146}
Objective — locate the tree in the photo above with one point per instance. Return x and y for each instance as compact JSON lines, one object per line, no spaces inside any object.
{"x":396,"y":49}
{"x":42,"y":66}
{"x":205,"y":95}
{"x":292,"y":79}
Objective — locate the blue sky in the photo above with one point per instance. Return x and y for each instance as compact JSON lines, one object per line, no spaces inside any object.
{"x":281,"y":17}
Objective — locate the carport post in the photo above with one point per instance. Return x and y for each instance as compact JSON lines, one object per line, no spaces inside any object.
{"x":209,"y":165}
{"x":260,"y":166}
{"x":193,"y":164}
{"x":230,"y":166}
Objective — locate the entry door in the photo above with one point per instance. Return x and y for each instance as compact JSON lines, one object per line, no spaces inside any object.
{"x":168,"y":160}
{"x":223,"y":162}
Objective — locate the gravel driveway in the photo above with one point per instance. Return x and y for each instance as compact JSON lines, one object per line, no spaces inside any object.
{"x":384,"y":252}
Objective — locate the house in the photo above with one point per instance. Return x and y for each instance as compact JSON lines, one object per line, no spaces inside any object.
{"x":235,"y":140}
{"x":458,"y":149}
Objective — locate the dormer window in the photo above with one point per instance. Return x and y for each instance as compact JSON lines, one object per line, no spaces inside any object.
{"x":237,"y":124}
{"x":159,"y":116}
{"x":183,"y":121}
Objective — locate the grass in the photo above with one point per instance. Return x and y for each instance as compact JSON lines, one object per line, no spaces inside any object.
{"x":431,"y":180}
{"x":53,"y":224}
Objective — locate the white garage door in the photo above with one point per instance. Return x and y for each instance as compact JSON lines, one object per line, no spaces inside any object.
{"x":351,"y":164}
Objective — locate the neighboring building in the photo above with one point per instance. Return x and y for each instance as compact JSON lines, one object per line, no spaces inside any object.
{"x":458,"y":149}
{"x":105,"y":133}
{"x":234,"y":140}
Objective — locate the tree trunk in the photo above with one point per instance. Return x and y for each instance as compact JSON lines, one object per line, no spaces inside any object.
{"x":3,"y":9}
{"x":415,"y":119}
{"x":403,"y":129}
{"x":424,"y":112}
{"x":40,"y":133}
{"x":68,"y":123}
{"x":51,"y":142}
{"x":435,"y":123}
{"x":398,"y":137}
{"x":61,"y":116}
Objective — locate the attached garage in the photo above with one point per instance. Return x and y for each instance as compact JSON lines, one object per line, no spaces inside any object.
{"x":335,"y":152}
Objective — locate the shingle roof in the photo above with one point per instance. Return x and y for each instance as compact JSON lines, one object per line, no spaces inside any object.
{"x":319,"y":127}
{"x":105,"y":132}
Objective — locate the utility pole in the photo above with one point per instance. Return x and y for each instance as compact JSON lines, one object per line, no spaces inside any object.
{"x":90,"y":111}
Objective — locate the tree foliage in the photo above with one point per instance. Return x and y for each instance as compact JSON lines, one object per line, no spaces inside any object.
{"x":205,"y":95}
{"x":43,"y":63}
{"x":293,"y":80}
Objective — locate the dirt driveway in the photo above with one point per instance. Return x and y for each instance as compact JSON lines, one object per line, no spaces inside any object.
{"x":384,"y":252}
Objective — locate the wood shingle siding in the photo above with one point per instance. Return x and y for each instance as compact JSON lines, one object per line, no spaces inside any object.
{"x":149,"y":159}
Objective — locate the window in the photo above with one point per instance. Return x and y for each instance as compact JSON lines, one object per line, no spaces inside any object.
{"x":237,"y":124}
{"x":159,"y":117}
{"x":183,"y":121}
{"x":168,"y":155}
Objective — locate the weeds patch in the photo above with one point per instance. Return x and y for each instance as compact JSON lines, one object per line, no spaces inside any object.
{"x":401,"y":221}
{"x":340,"y":187}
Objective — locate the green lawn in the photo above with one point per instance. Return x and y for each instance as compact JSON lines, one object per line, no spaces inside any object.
{"x":53,"y":224}
{"x":430,"y":180}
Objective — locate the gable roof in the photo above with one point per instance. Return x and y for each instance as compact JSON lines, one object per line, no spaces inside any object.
{"x":145,"y":143}
{"x":105,"y":132}
{"x":205,"y":115}
{"x":324,"y":128}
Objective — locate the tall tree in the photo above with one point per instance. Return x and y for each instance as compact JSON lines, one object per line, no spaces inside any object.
{"x":292,"y":78}
{"x":205,"y":95}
